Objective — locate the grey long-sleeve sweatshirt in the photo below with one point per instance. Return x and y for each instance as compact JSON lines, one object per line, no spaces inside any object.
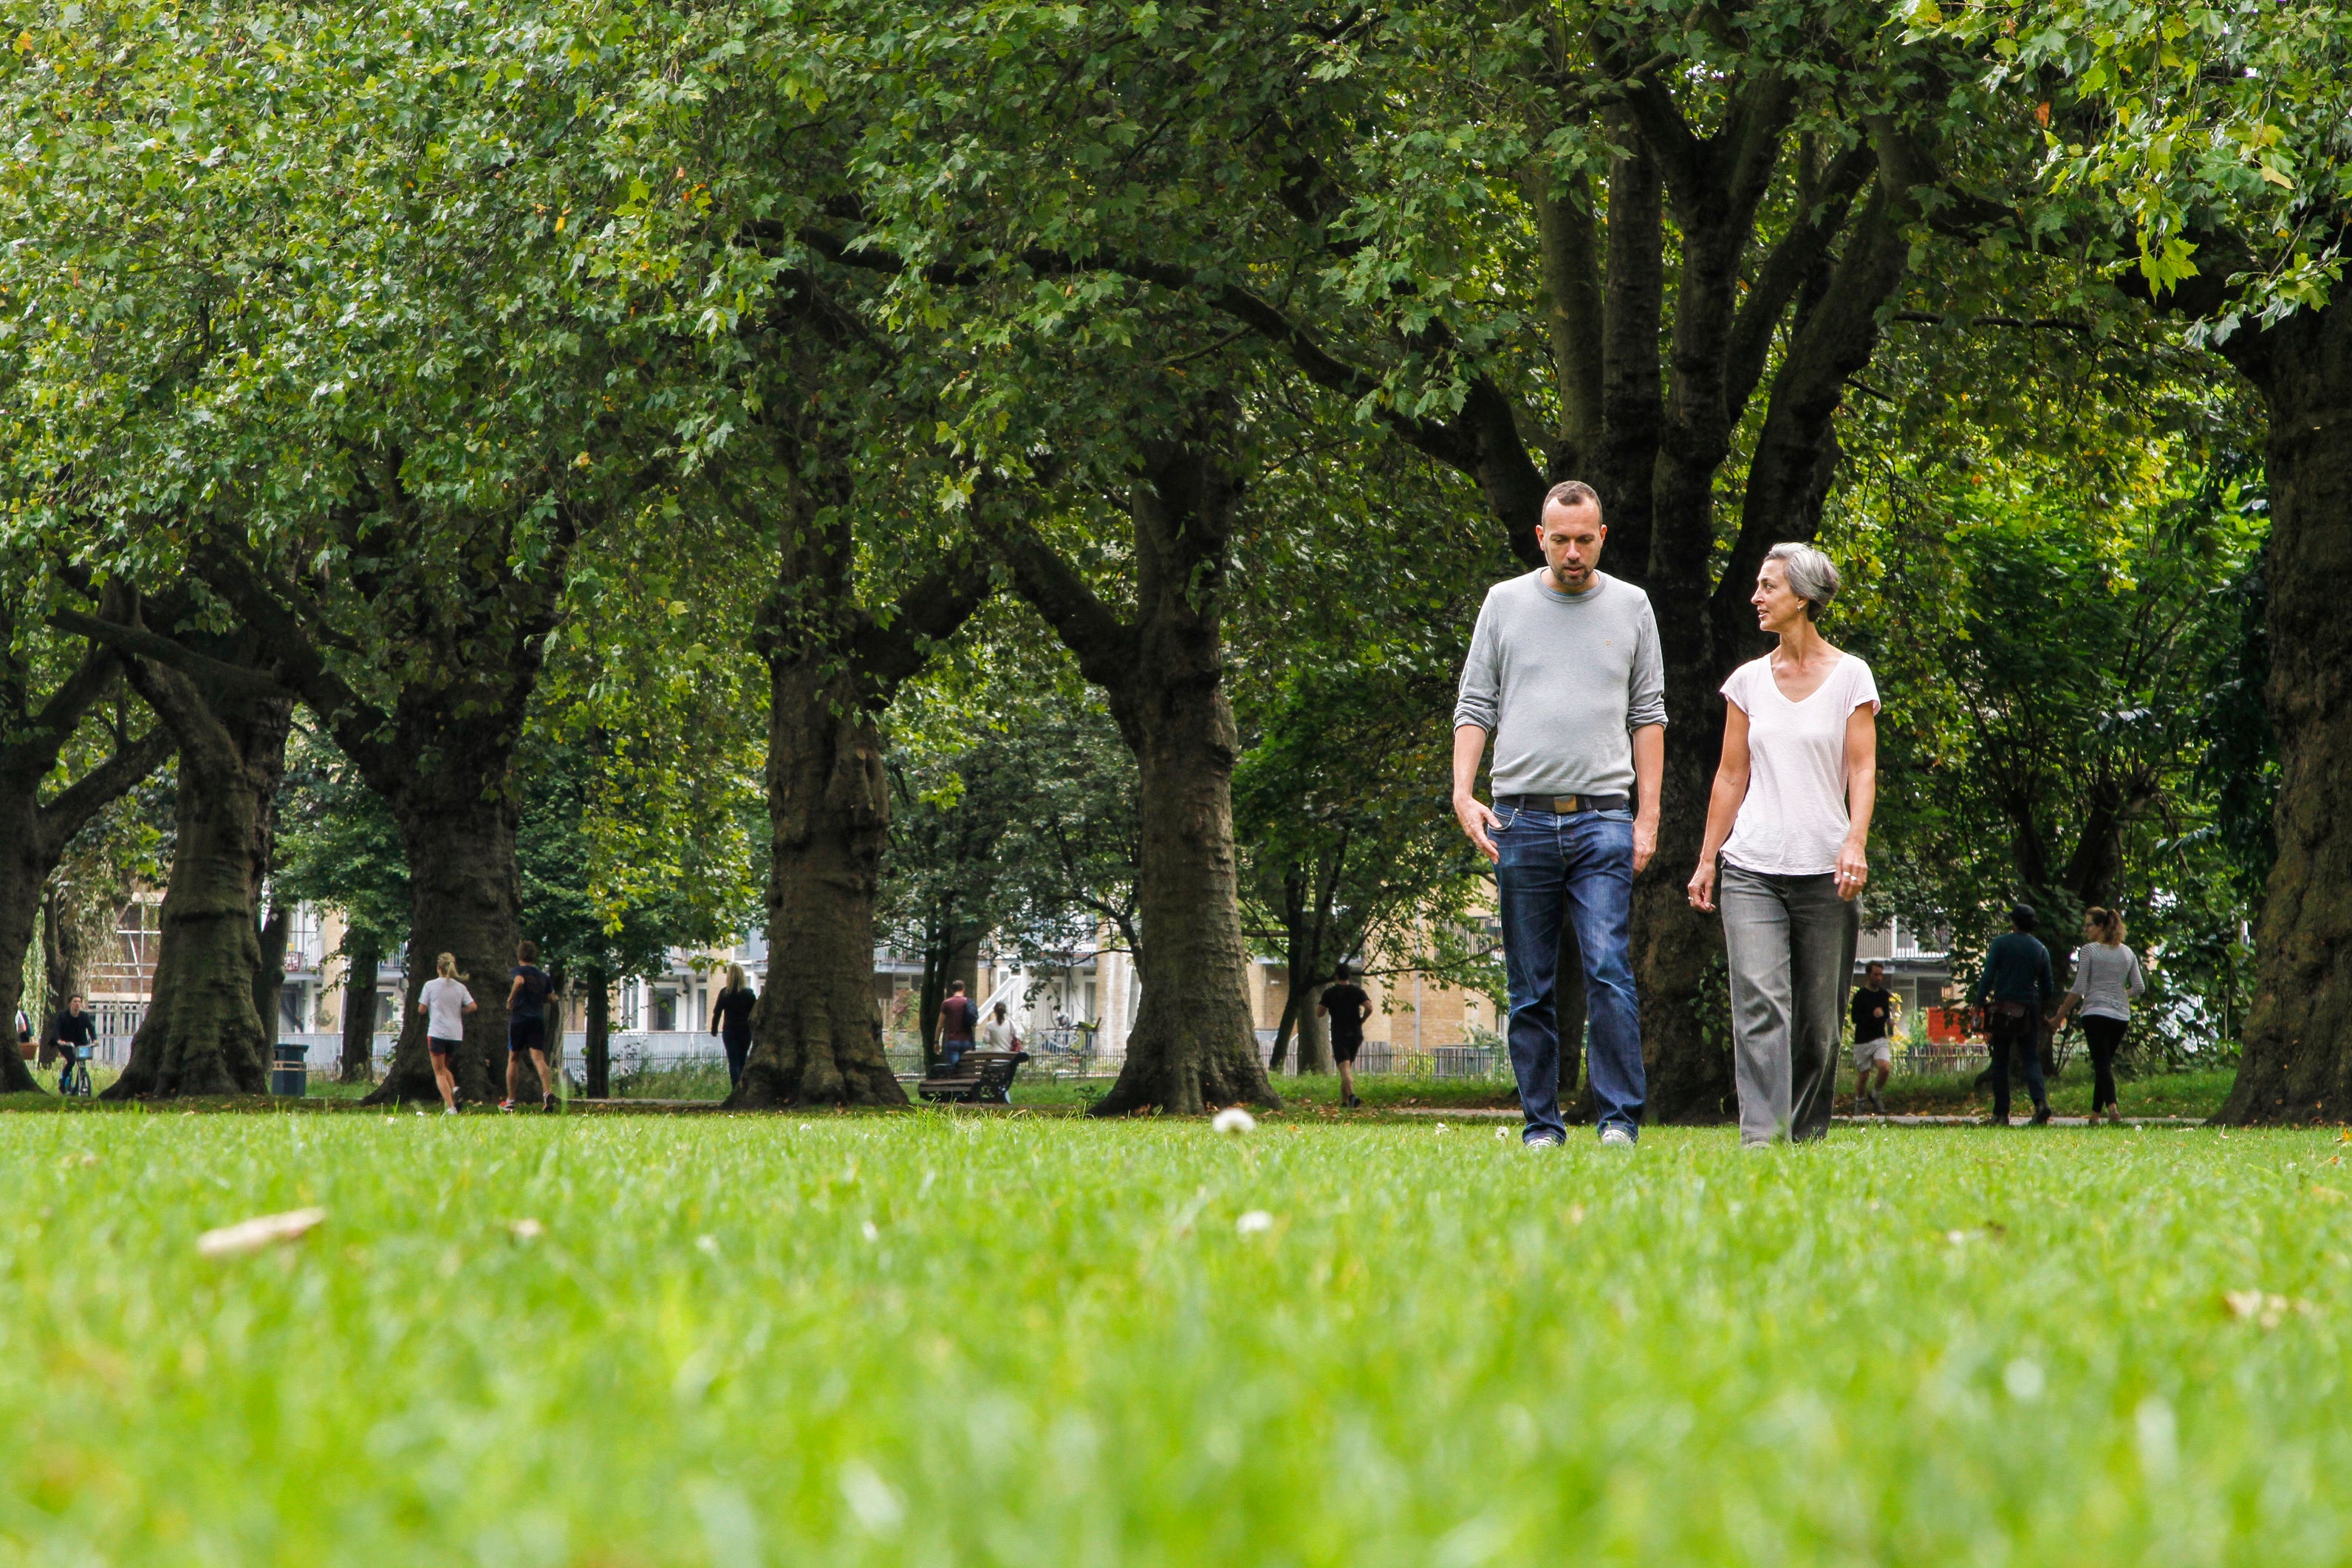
{"x":1561,"y":681}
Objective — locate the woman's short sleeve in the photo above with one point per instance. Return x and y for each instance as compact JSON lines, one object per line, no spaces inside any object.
{"x":1860,"y":686}
{"x":1735,"y":688}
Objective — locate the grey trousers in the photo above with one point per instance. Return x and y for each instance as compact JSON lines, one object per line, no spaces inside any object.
{"x":1790,"y":940}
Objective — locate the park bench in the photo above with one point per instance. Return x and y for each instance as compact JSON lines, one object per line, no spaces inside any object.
{"x":978,"y":1078}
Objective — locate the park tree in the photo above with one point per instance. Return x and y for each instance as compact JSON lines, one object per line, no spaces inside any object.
{"x":70,"y":744}
{"x":380,"y":455}
{"x":205,"y":1031}
{"x":2207,"y":145}
{"x":1646,"y":245}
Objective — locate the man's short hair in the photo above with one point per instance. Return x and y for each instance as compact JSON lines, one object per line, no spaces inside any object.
{"x":2022,"y":916}
{"x":75,"y":996}
{"x":1574,"y":493}
{"x":1878,"y":964}
{"x":954,"y":986}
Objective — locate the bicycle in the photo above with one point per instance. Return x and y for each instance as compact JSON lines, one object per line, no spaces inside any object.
{"x":73,"y":1078}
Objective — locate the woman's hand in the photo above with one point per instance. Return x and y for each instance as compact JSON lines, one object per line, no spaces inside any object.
{"x":1852,"y":869}
{"x":1702,"y":886}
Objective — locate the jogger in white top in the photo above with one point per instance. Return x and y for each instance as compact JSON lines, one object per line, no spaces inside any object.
{"x":444,"y":1001}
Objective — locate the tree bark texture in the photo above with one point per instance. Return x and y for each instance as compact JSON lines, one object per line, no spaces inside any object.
{"x":2298,"y":1061}
{"x":203,"y":1034}
{"x":458,"y":829}
{"x":597,"y":1049}
{"x":1193,"y":1044}
{"x":363,"y":956}
{"x":817,"y":1029}
{"x":832,"y":667}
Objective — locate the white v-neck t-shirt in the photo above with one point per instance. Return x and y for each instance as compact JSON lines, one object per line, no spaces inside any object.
{"x":1794,"y":817}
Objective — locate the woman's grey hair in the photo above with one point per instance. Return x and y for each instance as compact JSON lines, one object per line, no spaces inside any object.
{"x":1812,"y":576}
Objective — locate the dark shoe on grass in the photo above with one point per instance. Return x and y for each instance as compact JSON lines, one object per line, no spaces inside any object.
{"x":548,"y":1104}
{"x":2041,"y":1116}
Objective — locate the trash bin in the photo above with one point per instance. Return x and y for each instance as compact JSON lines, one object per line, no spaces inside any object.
{"x":290,"y":1069}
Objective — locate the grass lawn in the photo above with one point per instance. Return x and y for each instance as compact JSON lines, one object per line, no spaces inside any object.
{"x":937,"y":1338}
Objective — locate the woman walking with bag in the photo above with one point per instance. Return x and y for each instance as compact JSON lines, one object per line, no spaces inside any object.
{"x":2106,"y":979}
{"x":1789,"y":816}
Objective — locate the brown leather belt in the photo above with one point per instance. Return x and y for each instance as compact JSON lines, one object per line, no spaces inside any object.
{"x":1562,"y":805}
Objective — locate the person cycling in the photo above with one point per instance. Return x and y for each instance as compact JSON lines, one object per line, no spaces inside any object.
{"x":77,"y":1031}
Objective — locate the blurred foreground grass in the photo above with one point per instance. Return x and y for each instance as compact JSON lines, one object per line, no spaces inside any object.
{"x":945,"y":1338}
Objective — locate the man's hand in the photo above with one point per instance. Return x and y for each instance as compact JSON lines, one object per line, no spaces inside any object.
{"x":1476,"y":820}
{"x":1645,"y":839}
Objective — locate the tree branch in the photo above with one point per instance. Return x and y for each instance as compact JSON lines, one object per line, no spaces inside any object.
{"x":162,"y":650}
{"x":66,"y":815}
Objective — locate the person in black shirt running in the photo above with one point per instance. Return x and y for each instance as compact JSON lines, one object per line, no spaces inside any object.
{"x":527,"y":1026}
{"x":1872,"y":1011}
{"x":1345,"y":1005}
{"x":731,"y":1020}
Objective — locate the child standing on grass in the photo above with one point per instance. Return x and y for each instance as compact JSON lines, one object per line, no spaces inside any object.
{"x":444,"y":1001}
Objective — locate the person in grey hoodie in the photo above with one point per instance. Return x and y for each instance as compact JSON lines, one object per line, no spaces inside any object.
{"x":1565,"y":673}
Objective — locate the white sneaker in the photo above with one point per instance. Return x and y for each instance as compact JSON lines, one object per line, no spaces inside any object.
{"x":1544,"y":1141}
{"x":1616,"y":1138}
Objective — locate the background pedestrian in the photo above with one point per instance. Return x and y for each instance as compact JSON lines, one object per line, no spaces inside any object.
{"x":444,"y":1001}
{"x":2013,"y":989}
{"x":2106,"y":979}
{"x":1345,"y":1005}
{"x":731,"y":1020}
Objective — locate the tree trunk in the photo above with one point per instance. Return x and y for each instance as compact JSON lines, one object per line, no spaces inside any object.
{"x":458,"y":829}
{"x":203,"y":1033}
{"x":33,"y":836}
{"x":20,"y":908}
{"x":1315,"y":1033}
{"x":1193,"y":1045}
{"x":364,"y":955}
{"x":597,"y":1049}
{"x":816,"y":1030}
{"x":2297,"y":1063}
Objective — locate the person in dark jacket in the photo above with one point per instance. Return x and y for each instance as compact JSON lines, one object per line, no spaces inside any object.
{"x":2014,"y":989}
{"x":731,"y":1020}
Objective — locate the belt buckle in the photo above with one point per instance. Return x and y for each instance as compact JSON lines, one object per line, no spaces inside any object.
{"x":1567,"y":805}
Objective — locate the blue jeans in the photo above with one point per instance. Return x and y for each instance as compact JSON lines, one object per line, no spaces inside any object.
{"x":1579,"y":868}
{"x":951,"y":1051}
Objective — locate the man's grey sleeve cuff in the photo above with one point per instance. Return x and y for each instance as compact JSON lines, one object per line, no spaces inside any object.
{"x":1468,"y":712}
{"x":1646,"y":717}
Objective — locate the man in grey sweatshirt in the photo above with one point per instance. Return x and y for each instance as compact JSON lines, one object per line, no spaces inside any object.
{"x":1564,"y":672}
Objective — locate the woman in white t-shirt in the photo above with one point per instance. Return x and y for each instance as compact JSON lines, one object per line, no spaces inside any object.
{"x":444,"y":1001}
{"x":2106,"y":979}
{"x":1790,"y":818}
